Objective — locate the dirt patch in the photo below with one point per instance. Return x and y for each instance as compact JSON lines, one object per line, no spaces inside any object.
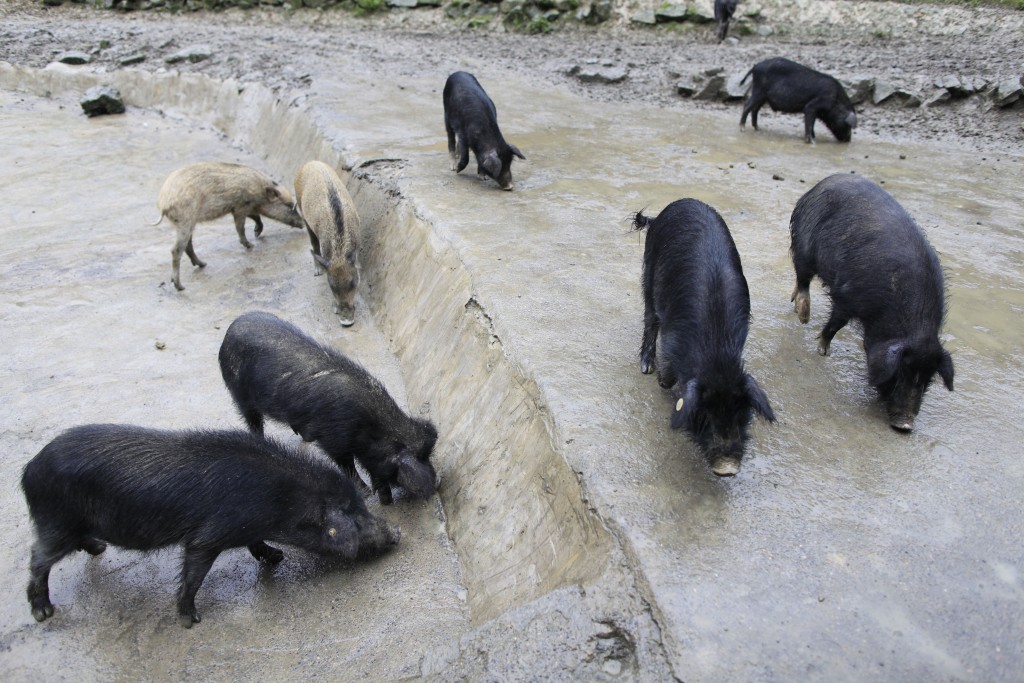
{"x":909,"y":46}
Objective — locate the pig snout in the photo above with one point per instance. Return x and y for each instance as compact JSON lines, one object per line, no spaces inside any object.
{"x":376,"y":535}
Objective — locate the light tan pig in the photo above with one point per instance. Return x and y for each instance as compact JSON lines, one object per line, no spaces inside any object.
{"x":206,"y":191}
{"x":333,"y":225}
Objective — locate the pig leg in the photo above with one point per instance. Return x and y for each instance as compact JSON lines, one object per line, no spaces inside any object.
{"x":810,"y":114}
{"x":259,"y":224}
{"x":240,"y":228}
{"x":265,"y":553}
{"x":192,"y":255}
{"x":180,"y":245}
{"x":253,"y":420}
{"x":649,"y":345}
{"x":836,"y":322}
{"x":463,"y":154}
{"x":194,"y":569}
{"x":44,"y":556}
{"x":314,"y":242}
{"x":453,"y":148}
{"x":753,"y":105}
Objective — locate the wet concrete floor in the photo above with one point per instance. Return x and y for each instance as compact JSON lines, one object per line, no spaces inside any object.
{"x":843,"y":550}
{"x":91,"y":330}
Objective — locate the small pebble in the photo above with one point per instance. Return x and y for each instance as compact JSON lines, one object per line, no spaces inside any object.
{"x":160,"y":346}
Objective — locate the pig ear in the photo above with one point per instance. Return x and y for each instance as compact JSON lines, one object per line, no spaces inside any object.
{"x":758,"y":400}
{"x":273,"y":194}
{"x":492,"y":164}
{"x":342,"y":535}
{"x":415,"y":476}
{"x":946,"y":370}
{"x":884,"y":361}
{"x":686,"y":404}
{"x":320,"y":259}
{"x":515,"y":150}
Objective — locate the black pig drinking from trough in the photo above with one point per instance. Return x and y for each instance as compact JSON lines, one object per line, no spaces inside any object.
{"x":724,"y":9}
{"x":145,"y":489}
{"x":696,"y":315}
{"x":792,"y":88}
{"x":471,"y":122}
{"x":274,"y":370}
{"x":879,"y":269}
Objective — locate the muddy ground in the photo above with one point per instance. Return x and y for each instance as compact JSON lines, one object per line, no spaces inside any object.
{"x":907,"y":45}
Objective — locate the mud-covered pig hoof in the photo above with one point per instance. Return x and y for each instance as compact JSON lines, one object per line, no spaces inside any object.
{"x":646,"y":367}
{"x":186,"y":620}
{"x":802,"y":306}
{"x":726,"y":467}
{"x":347,"y":322}
{"x":902,"y":424}
{"x":42,"y":612}
{"x":823,"y":348}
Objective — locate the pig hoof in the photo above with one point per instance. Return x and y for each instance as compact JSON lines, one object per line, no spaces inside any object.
{"x":902,"y":424}
{"x":646,"y":368}
{"x":94,"y":547}
{"x":178,"y":286}
{"x":247,"y":244}
{"x":186,"y":620}
{"x":802,"y":305}
{"x":347,"y":322}
{"x":726,"y":467}
{"x":384,"y":496}
{"x":823,"y":348}
{"x":43,"y":612}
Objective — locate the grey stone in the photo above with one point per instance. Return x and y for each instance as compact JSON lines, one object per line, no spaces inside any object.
{"x":671,"y":12}
{"x":101,"y":100}
{"x":858,"y":88}
{"x":764,"y":31}
{"x":136,"y":58}
{"x":602,"y":75}
{"x":733,"y":89}
{"x":1007,"y":92}
{"x":686,"y":88}
{"x":711,"y":88}
{"x":74,"y":57}
{"x":938,"y":97}
{"x":701,"y":12}
{"x":192,"y":53}
{"x":948,"y":82}
{"x":885,"y":92}
{"x":969,"y":85}
{"x":882,"y":91}
{"x":731,"y":40}
{"x":713,"y":71}
{"x":644,"y":16}
{"x":408,"y":4}
{"x":595,"y":12}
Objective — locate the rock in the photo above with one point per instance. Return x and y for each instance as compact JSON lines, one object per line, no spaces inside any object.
{"x":686,"y":88}
{"x":701,"y":11}
{"x":596,"y":12}
{"x":887,"y":92}
{"x":949,"y":82}
{"x":765,"y":31}
{"x":670,"y":12}
{"x":941,"y":95}
{"x":969,"y":85}
{"x":711,"y":88}
{"x":408,"y":4}
{"x":101,"y":100}
{"x":644,"y":16}
{"x":858,"y":88}
{"x":192,"y":53}
{"x":601,"y":75}
{"x":713,"y":71}
{"x":74,"y":57}
{"x":731,"y":40}
{"x":733,"y":90}
{"x":132,"y":59}
{"x":1007,"y":92}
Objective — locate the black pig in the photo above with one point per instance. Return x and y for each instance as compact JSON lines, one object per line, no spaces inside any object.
{"x":272,"y":369}
{"x":724,"y":9}
{"x":145,"y":489}
{"x":793,"y":88}
{"x":879,"y":269}
{"x":696,"y":313}
{"x":471,"y":122}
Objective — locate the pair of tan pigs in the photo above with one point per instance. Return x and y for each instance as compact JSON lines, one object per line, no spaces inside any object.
{"x":208,"y":190}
